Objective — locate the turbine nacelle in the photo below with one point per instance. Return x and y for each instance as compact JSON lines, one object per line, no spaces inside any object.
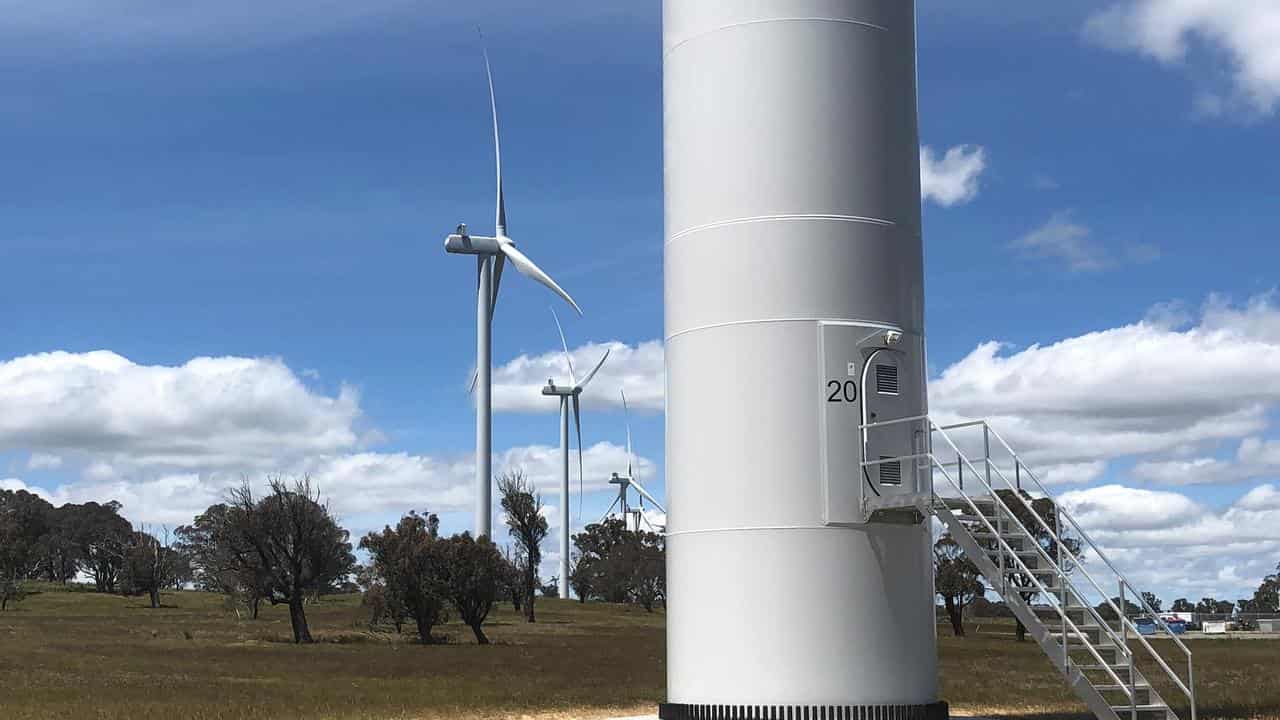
{"x":463,"y":244}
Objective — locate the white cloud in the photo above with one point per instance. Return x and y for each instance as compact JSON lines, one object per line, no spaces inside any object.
{"x":1167,"y":542}
{"x":951,"y":179}
{"x":1079,"y":473}
{"x":229,"y":412}
{"x":1114,"y":507}
{"x":1244,"y":34}
{"x":359,"y":485}
{"x":542,"y":464}
{"x":1139,"y":389}
{"x":168,"y":441}
{"x":1197,"y":471}
{"x":1255,"y":459}
{"x":1259,"y":453}
{"x":14,"y":484}
{"x":638,"y":370}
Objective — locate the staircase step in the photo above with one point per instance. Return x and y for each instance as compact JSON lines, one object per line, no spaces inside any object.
{"x":1142,"y":692}
{"x":957,"y":503}
{"x":1114,"y":667}
{"x":1105,"y":688}
{"x":985,"y":534}
{"x":1092,"y":632}
{"x":1108,"y":654}
{"x":1019,"y":553}
{"x":1143,"y":711}
{"x":987,"y":541}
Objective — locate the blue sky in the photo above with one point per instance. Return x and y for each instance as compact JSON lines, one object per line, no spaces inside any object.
{"x":269,"y":185}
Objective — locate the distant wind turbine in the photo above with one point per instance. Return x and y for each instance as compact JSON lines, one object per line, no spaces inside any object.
{"x":631,"y":479}
{"x":491,"y":254}
{"x":568,"y":395}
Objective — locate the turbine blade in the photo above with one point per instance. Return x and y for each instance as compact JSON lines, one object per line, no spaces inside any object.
{"x":528,"y":269}
{"x":640,"y":489}
{"x":501,"y":220}
{"x":475,"y":377}
{"x":577,"y":422}
{"x":498,"y":262}
{"x":565,"y":344}
{"x":582,"y":385}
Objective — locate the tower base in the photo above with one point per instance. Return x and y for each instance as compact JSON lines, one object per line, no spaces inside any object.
{"x":677,"y":711}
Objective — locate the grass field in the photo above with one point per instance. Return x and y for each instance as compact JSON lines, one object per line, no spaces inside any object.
{"x":83,"y":655}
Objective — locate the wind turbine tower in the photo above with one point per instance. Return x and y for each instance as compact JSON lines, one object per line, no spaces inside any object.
{"x":794,"y":300}
{"x":491,"y":254}
{"x":569,"y":396}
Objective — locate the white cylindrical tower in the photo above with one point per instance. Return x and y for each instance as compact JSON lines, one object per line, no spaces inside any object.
{"x":799,"y":578}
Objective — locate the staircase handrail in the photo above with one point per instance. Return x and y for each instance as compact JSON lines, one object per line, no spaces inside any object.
{"x":1188,"y":688}
{"x":1062,"y":574}
{"x":1057,"y":604}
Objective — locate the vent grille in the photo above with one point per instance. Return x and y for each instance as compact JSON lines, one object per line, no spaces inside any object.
{"x":887,"y":379}
{"x":890,"y":472}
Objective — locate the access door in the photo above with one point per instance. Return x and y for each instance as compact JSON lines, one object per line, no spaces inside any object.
{"x":885,"y":397}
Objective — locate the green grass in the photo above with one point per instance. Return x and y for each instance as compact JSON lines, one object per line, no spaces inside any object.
{"x":84,"y":655}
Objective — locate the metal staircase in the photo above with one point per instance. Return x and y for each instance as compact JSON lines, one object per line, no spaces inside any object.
{"x":1034,"y":555}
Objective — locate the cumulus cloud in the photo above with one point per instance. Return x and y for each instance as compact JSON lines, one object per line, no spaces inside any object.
{"x":1139,"y":389}
{"x":952,"y":178}
{"x":168,"y":441}
{"x":1196,"y":471}
{"x":245,"y":413}
{"x":356,"y":485}
{"x":638,"y":370}
{"x":1181,"y":548}
{"x":1242,"y":37}
{"x":1255,"y":459}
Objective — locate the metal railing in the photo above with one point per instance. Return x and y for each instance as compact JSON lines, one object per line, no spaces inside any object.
{"x":1021,"y":469}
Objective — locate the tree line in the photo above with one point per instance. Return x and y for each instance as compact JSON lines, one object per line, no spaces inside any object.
{"x":59,"y":544}
{"x":286,"y":547}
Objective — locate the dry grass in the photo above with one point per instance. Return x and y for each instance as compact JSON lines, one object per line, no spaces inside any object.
{"x":82,"y":655}
{"x":1234,"y":678}
{"x":79,"y":655}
